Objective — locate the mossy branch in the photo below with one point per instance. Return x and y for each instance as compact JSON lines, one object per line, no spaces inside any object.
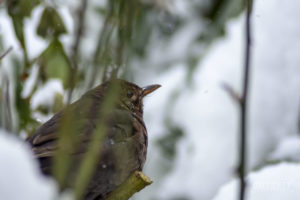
{"x":136,"y":182}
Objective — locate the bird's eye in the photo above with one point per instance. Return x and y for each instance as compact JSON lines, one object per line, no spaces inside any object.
{"x":129,"y":94}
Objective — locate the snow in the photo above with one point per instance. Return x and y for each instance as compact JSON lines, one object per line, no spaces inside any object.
{"x":273,"y":182}
{"x":288,"y":149}
{"x":32,"y":39}
{"x":46,"y":93}
{"x":19,"y":172}
{"x":207,"y":155}
{"x":209,"y":117}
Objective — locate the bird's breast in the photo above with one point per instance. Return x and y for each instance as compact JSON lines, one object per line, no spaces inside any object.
{"x":141,"y":141}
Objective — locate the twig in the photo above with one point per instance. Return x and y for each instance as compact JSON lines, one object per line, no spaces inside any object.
{"x":231,"y":92}
{"x":5,"y":53}
{"x":76,"y":46}
{"x":136,"y":182}
{"x":243,"y":104}
{"x":103,"y":40}
{"x":80,"y":28}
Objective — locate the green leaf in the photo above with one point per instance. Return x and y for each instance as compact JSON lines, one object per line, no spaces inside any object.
{"x":55,"y":63}
{"x":51,"y":24}
{"x":58,"y":103}
{"x":21,"y":8}
{"x":19,"y":29}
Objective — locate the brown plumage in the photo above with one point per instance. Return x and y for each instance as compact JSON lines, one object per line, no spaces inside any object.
{"x":125,"y":141}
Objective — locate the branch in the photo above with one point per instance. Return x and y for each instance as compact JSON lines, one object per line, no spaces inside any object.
{"x":243,"y":105}
{"x":102,"y":44}
{"x":231,"y":92}
{"x":5,"y":53}
{"x":136,"y":182}
{"x":76,"y":46}
{"x":80,"y":29}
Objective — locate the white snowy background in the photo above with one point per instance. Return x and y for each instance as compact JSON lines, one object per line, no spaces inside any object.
{"x":19,"y":172}
{"x":206,"y":160}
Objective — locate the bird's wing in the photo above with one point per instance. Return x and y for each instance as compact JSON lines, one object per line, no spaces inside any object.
{"x":42,"y":141}
{"x":84,"y":122}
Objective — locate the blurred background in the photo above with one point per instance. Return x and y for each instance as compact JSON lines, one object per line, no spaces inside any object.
{"x":57,"y":50}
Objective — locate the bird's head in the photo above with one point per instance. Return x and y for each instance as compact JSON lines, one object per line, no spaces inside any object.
{"x":130,"y":95}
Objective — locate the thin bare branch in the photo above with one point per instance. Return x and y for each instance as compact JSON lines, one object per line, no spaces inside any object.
{"x":80,"y":28}
{"x":6,"y":52}
{"x":103,"y":40}
{"x":76,"y":46}
{"x":231,"y":92}
{"x":244,"y":103}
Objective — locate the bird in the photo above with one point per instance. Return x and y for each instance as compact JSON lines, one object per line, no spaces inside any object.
{"x":125,"y":139}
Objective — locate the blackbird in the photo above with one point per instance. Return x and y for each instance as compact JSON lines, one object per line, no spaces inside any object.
{"x":124,"y":146}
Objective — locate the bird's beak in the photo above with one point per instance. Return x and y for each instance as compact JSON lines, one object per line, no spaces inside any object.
{"x":149,"y":89}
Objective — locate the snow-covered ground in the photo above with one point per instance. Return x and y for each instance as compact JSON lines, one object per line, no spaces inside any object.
{"x":275,"y":182}
{"x":288,"y":149}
